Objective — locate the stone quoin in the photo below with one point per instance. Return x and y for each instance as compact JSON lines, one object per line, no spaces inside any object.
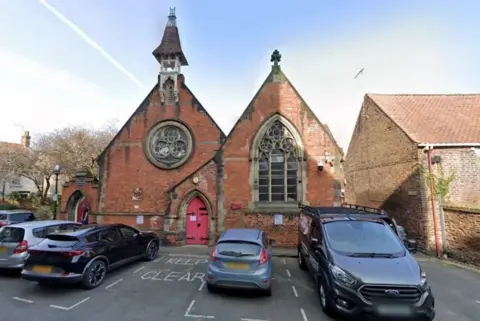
{"x":172,"y":170}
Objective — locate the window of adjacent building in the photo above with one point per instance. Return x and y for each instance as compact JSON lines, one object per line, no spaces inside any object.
{"x":277,"y":165}
{"x":15,"y":182}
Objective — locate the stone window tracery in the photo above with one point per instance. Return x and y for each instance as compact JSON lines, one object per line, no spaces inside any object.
{"x":168,"y":144}
{"x":278,"y":167}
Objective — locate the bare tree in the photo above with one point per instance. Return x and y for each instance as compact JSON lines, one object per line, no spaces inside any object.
{"x":70,"y":147}
{"x":7,"y":164}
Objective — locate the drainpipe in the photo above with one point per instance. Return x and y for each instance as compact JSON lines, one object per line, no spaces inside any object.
{"x":429,"y":150}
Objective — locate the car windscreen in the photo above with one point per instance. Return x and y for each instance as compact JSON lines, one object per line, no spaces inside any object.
{"x":238,"y":248}
{"x":3,"y":217}
{"x":363,"y":238}
{"x":11,"y":234}
{"x":60,"y":240}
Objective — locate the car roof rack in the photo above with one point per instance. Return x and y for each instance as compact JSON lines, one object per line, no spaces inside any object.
{"x":345,"y":210}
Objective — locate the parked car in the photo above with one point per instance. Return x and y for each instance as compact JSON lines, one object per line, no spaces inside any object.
{"x":361,"y":268}
{"x":241,"y":258}
{"x":8,"y":217}
{"x":86,"y":255}
{"x":16,"y":239}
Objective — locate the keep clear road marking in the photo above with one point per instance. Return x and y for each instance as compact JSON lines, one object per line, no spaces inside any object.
{"x":190,"y":255}
{"x":201,"y":286}
{"x":23,"y":300}
{"x":294,"y":291}
{"x":304,"y":316}
{"x":158,"y":260}
{"x":190,"y":308}
{"x":118,"y":281}
{"x":69,"y":308}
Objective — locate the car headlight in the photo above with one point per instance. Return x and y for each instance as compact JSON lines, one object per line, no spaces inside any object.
{"x":423,"y":278}
{"x":342,"y":276}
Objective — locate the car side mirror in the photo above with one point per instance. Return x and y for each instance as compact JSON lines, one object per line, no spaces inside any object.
{"x":411,"y":245}
{"x":271,"y":241}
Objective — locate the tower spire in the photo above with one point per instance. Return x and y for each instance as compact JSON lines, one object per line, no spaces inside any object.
{"x":171,"y":58}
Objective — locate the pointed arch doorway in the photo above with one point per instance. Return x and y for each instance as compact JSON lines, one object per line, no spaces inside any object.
{"x":76,"y":206}
{"x":197,"y":224}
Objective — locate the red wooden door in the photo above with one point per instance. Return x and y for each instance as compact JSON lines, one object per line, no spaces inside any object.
{"x":197,"y":223}
{"x":81,"y":208}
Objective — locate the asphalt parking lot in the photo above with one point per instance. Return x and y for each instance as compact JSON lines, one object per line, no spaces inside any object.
{"x":172,"y":288}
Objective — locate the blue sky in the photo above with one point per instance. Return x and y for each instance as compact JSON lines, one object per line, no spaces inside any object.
{"x":51,"y":77}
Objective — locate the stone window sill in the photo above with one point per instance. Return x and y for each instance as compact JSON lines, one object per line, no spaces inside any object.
{"x":274,"y":207}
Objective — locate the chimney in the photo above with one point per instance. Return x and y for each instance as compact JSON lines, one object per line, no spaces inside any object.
{"x":26,"y":139}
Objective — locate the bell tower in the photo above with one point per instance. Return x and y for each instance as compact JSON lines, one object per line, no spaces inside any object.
{"x":170,"y":56}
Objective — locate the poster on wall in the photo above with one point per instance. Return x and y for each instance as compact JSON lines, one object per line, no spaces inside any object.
{"x":139,"y":219}
{"x":305,"y":222}
{"x":278,"y":219}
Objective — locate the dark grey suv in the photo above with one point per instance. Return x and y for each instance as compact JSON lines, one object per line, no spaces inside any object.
{"x":361,"y":268}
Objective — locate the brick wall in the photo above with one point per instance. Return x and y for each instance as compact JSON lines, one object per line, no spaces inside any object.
{"x":382,"y":171}
{"x":201,"y":184}
{"x":239,"y":208}
{"x":463,"y":233}
{"x":124,"y":165}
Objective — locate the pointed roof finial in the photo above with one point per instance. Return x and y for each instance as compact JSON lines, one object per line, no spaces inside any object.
{"x":172,"y":18}
{"x":276,"y":57}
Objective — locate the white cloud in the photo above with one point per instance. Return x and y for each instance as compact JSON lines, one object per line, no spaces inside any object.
{"x":40,"y":98}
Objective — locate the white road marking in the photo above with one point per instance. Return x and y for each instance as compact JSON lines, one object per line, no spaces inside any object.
{"x":244,"y":319}
{"x":189,"y":255}
{"x":477,"y":302}
{"x":190,"y":308}
{"x":294,"y":291}
{"x":138,"y":270}
{"x":118,"y":281}
{"x":201,"y":286}
{"x":69,"y":308}
{"x":23,"y":300}
{"x":284,"y":262}
{"x":304,"y":316}
{"x":288,"y":273}
{"x":159,"y":259}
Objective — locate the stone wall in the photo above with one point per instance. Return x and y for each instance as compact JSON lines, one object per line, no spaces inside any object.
{"x":462,"y":227}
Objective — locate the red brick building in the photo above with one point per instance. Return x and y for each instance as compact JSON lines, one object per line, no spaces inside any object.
{"x":387,"y":166}
{"x":171,"y":168}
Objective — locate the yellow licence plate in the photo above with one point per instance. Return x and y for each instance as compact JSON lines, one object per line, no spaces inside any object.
{"x":3,"y":249}
{"x":42,"y":269}
{"x":237,"y":266}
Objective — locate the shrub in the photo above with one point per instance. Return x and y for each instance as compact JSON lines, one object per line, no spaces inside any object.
{"x":7,"y":206}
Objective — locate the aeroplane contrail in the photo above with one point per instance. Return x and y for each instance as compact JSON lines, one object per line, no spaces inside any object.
{"x":92,"y":43}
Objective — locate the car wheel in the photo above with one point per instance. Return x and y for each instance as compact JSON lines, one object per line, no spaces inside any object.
{"x":212,"y":288}
{"x":326,"y":302}
{"x":151,"y":251}
{"x":301,"y":262}
{"x":94,"y":275}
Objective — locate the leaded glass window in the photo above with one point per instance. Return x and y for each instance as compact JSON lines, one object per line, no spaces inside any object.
{"x":277,"y":165}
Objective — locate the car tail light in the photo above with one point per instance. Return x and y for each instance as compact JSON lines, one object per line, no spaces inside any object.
{"x":263,"y":257}
{"x":73,"y":253}
{"x":21,"y":247}
{"x":2,"y":223}
{"x":212,"y":255}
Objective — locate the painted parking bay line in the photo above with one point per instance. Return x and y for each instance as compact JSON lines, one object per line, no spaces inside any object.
{"x":22,"y":300}
{"x":189,"y":315}
{"x":112,"y":284}
{"x":71,"y":307}
{"x":189,"y":255}
{"x":304,"y":316}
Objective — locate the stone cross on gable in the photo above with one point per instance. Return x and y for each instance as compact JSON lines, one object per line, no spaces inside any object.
{"x":276,"y":57}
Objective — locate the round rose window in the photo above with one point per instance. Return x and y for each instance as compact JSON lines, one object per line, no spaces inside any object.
{"x":168,"y":144}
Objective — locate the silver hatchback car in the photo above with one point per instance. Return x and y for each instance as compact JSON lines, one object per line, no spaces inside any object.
{"x":16,"y":239}
{"x":242,"y":258}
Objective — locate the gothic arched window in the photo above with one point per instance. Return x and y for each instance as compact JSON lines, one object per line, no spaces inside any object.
{"x":278,"y":167}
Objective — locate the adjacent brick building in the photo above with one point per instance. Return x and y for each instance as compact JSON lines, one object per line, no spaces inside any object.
{"x":171,"y":168}
{"x":387,"y":165}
